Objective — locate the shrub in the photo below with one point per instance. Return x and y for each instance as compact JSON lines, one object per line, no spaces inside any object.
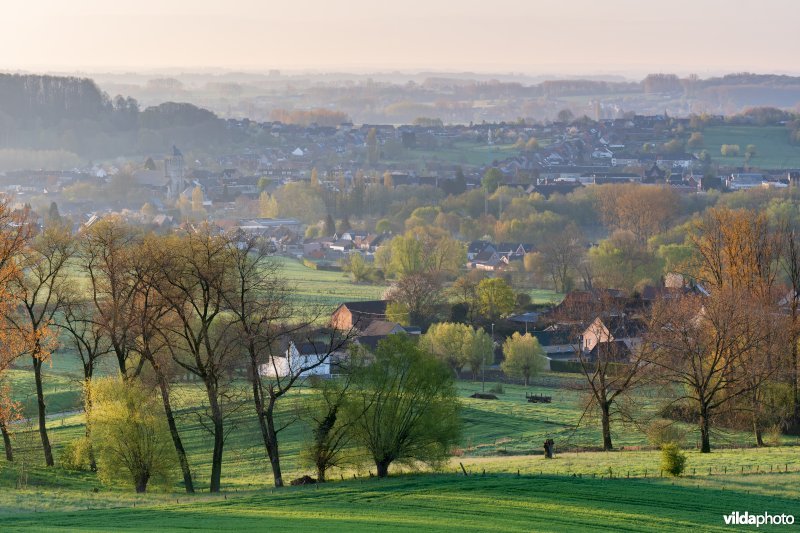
{"x":75,"y":455}
{"x":673,"y":460}
{"x":130,"y":435}
{"x":661,"y":432}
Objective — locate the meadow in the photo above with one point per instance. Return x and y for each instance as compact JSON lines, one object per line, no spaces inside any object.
{"x":772,"y":145}
{"x":510,"y":485}
{"x":442,"y":503}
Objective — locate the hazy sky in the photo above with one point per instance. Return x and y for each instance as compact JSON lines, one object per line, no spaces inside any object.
{"x":531,"y":36}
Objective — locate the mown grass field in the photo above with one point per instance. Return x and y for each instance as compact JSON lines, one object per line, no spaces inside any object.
{"x":772,"y":145}
{"x":438,"y":503}
{"x":321,"y":287}
{"x":501,"y":437}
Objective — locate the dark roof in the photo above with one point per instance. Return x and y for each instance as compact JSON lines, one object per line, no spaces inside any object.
{"x":312,"y":348}
{"x":476,"y":247}
{"x":556,"y":337}
{"x":622,"y":326}
{"x":613,"y":351}
{"x":377,"y":307}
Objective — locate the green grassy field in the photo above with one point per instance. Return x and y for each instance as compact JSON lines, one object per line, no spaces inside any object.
{"x":325,"y":288}
{"x":500,"y":437}
{"x":440,"y":503}
{"x":772,"y":145}
{"x":463,"y":153}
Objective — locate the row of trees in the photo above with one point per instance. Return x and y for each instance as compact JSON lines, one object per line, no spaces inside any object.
{"x":211,"y":306}
{"x":726,"y":352}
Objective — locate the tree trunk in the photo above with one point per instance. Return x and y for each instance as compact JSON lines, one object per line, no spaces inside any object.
{"x":173,"y":430}
{"x":121,"y":361}
{"x":87,"y":407}
{"x":37,"y":373}
{"x":141,"y":482}
{"x":321,"y":473}
{"x":383,"y":467}
{"x":219,"y":438}
{"x":7,"y":442}
{"x":265,"y":421}
{"x":705,"y":432}
{"x":271,"y":443}
{"x":795,"y":392}
{"x":757,"y":419}
{"x":605,"y":409}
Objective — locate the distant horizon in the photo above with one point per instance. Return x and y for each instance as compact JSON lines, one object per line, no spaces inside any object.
{"x":617,"y":37}
{"x":633,"y":76}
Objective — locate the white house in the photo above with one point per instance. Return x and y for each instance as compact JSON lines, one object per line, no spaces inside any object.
{"x":313,"y":356}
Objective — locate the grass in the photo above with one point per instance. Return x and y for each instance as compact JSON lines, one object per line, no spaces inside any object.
{"x":545,"y":296}
{"x":772,"y":145}
{"x":502,"y":437}
{"x":438,"y":503}
{"x":323,"y":287}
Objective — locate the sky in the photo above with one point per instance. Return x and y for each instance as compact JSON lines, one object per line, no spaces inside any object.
{"x":524,"y":36}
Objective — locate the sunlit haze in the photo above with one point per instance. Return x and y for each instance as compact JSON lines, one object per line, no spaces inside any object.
{"x":540,"y":36}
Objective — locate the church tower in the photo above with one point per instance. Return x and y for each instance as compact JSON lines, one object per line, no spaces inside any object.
{"x":174,"y":171}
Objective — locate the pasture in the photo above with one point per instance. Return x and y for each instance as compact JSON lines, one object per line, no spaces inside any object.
{"x":772,"y":146}
{"x":441,"y":503}
{"x":509,"y":480}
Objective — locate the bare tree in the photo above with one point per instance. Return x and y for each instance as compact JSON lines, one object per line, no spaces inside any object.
{"x":107,"y":249}
{"x":791,"y":267}
{"x":152,"y":343}
{"x":562,"y":255}
{"x":89,"y":341}
{"x":42,"y":274}
{"x":701,"y":344}
{"x":607,"y":344}
{"x":194,"y":275}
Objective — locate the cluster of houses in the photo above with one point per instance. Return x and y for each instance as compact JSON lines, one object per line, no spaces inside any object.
{"x":587,"y":325}
{"x":484,"y":255}
{"x":341,"y":244}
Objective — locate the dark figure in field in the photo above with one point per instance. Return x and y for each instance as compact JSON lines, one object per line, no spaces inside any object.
{"x":549,"y":445}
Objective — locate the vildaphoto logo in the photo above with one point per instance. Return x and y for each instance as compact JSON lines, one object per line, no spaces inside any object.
{"x":746,"y":519}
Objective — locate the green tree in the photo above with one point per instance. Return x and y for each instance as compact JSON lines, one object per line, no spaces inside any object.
{"x":448,"y":341}
{"x":524,"y":357}
{"x":358,"y":268}
{"x":409,"y":403}
{"x":492,"y":180}
{"x":130,"y":435}
{"x":331,"y":421}
{"x":383,"y":226}
{"x":496,"y":298}
{"x":479,"y":350}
